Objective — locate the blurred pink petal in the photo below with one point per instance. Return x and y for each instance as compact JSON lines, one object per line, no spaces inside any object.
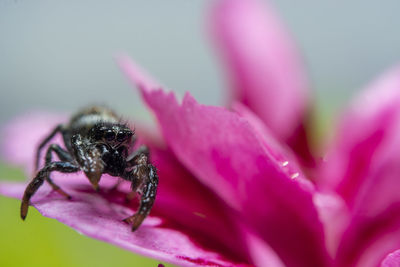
{"x":263,"y":67}
{"x":21,"y":137}
{"x":367,"y":137}
{"x":261,"y":252}
{"x":223,"y":151}
{"x":100,"y":216}
{"x":392,"y":260}
{"x":364,"y":167}
{"x":334,"y":214}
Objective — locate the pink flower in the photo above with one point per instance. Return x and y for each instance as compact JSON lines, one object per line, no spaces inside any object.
{"x":234,"y":184}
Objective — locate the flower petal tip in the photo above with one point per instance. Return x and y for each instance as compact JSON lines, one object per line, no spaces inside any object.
{"x":137,"y":76}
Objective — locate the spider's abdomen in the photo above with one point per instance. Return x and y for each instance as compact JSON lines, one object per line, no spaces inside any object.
{"x":88,"y":117}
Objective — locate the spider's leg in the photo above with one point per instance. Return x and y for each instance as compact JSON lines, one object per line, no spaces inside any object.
{"x":63,"y":156}
{"x":44,"y":142}
{"x":42,"y":175}
{"x":132,"y":161}
{"x":144,"y":180}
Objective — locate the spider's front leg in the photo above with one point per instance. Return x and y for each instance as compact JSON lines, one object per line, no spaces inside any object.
{"x":144,"y":181}
{"x":64,"y":156}
{"x":42,"y":175}
{"x":58,"y":128}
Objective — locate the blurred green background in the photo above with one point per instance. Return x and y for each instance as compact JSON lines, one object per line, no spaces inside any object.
{"x":41,"y":241}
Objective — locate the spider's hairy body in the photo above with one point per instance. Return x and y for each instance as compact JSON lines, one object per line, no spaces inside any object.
{"x":88,"y":117}
{"x":96,"y":143}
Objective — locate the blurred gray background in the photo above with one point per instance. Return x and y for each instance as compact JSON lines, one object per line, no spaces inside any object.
{"x":59,"y":55}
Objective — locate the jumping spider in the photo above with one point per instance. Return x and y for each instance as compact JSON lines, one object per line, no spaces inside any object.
{"x":97,"y":142}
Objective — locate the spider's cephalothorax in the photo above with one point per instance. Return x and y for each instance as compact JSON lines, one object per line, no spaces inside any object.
{"x":97,"y":142}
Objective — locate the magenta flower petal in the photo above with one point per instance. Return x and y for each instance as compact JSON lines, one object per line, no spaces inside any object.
{"x":334,"y":215}
{"x":261,"y":252}
{"x":21,"y":137}
{"x":262,"y":63}
{"x":392,"y":260}
{"x":223,"y":151}
{"x":279,"y":151}
{"x":364,"y":167}
{"x":100,"y":216}
{"x":183,"y":199}
{"x":366,"y":139}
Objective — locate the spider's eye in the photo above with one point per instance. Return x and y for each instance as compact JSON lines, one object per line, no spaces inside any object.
{"x":121,"y":137}
{"x":109,"y":135}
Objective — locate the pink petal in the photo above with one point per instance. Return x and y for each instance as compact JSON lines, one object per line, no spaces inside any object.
{"x":368,"y":239}
{"x":186,"y":201}
{"x":279,"y":151}
{"x":392,"y":260}
{"x":363,"y":165}
{"x":262,"y":63}
{"x":224,"y":152}
{"x":21,"y":137}
{"x":100,"y":216}
{"x":334,"y":214}
{"x":367,"y":136}
{"x":261,"y":252}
